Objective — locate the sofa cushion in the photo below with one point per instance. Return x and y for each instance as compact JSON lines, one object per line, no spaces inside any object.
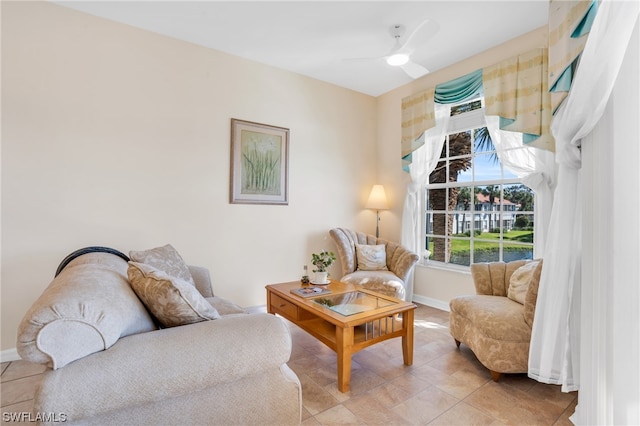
{"x":166,"y":259}
{"x":519,"y":282}
{"x":85,"y":309}
{"x":496,"y":317}
{"x":371,"y":257}
{"x":176,"y":368}
{"x":384,"y":282}
{"x":171,"y":300}
{"x":493,"y":328}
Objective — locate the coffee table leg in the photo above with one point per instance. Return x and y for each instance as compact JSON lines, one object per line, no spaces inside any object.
{"x":344,"y":340}
{"x":407,"y":337}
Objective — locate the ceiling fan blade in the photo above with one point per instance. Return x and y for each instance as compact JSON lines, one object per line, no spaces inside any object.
{"x":414,"y":70}
{"x":423,"y":32}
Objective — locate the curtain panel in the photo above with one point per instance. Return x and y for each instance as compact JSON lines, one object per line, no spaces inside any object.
{"x":424,"y":161}
{"x":556,"y":340}
{"x":536,"y":169}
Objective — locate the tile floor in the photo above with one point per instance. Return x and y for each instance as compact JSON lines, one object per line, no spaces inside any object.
{"x":444,"y":386}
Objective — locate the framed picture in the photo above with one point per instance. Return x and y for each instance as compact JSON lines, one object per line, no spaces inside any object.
{"x":259,"y":163}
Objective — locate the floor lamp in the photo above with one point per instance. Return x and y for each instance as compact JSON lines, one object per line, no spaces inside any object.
{"x":377,"y":201}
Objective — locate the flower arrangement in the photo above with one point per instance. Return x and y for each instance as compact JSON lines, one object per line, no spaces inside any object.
{"x":322,"y":260}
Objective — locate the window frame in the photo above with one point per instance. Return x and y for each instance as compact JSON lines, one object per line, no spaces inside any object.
{"x":463,"y":122}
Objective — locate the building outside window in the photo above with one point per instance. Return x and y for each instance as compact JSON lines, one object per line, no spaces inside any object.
{"x":475,"y":209}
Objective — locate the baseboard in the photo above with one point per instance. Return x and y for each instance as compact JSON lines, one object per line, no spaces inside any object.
{"x":9,"y":355}
{"x":434,"y":303}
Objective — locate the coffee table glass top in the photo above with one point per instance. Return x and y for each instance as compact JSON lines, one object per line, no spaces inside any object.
{"x":353,"y":302}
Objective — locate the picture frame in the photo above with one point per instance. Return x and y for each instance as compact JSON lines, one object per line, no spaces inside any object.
{"x":259,"y":163}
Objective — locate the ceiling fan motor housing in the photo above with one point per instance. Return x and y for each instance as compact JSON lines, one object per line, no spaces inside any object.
{"x":397,"y":31}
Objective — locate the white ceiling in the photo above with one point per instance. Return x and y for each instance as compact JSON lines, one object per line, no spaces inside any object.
{"x":315,"y":37}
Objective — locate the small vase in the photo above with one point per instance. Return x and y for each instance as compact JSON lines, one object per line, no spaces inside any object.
{"x":320,"y":277}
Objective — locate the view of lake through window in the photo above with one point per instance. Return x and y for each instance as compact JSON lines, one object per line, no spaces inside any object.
{"x":476,"y":210}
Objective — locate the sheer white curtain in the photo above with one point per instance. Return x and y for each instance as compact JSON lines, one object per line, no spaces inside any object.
{"x":424,"y":161}
{"x":535,"y":167}
{"x":610,"y":293}
{"x":554,"y":356}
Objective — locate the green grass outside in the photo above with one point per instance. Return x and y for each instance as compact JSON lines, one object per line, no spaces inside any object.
{"x":463,"y":245}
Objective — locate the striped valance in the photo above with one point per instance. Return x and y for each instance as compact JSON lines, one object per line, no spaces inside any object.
{"x":569,"y":23}
{"x":417,"y":116}
{"x":524,"y":90}
{"x":418,"y":112}
{"x":516,"y":89}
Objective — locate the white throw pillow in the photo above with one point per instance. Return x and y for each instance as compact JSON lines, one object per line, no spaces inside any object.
{"x":166,"y":259}
{"x":171,"y":300}
{"x":371,"y":257}
{"x":519,"y":282}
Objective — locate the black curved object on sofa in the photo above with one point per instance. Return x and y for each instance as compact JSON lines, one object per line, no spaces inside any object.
{"x":92,"y":249}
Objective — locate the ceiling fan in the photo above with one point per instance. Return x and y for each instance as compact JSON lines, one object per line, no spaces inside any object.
{"x":400,"y":54}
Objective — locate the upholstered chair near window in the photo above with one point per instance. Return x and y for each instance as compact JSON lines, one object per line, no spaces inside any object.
{"x":375,"y":264}
{"x":496,"y":322}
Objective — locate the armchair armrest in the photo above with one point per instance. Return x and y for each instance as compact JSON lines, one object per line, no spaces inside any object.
{"x":400,"y":260}
{"x":150,"y":367}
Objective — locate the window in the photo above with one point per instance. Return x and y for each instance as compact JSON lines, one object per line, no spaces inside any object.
{"x":476,"y":210}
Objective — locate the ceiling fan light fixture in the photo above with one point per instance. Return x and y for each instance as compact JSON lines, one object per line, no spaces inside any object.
{"x":398,"y":59}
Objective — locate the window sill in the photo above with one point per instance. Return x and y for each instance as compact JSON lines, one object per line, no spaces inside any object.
{"x":430,"y":264}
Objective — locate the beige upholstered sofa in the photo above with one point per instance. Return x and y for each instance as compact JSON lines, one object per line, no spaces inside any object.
{"x":496,"y":327}
{"x":111,"y":364}
{"x":391,"y":280}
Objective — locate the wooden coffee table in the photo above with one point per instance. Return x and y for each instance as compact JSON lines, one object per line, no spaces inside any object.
{"x":347,"y":320}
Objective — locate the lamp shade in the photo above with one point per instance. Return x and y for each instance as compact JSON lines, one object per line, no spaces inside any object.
{"x":377,"y":199}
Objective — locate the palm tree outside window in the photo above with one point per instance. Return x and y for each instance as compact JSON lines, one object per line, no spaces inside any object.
{"x":475,"y":209}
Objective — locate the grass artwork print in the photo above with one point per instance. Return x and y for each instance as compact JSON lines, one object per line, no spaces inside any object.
{"x":259,"y":163}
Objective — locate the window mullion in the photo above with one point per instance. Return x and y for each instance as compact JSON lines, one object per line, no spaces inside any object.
{"x":445,"y":226}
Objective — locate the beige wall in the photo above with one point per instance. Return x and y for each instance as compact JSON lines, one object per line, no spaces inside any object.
{"x":431,"y":284}
{"x":119,"y":137}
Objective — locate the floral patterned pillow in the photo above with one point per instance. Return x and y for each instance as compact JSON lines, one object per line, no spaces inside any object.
{"x":171,"y":300}
{"x":371,"y":257}
{"x":166,"y":259}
